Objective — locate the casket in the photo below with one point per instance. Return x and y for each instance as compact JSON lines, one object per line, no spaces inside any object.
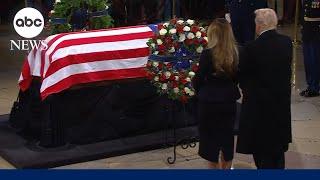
{"x":90,"y":86}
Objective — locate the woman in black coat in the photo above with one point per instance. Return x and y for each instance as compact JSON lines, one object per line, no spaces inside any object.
{"x":217,"y":92}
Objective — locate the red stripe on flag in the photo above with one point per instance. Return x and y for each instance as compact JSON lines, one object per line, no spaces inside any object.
{"x":97,"y":56}
{"x":93,"y":77}
{"x":103,"y":39}
{"x":26,"y":76}
{"x":44,"y":51}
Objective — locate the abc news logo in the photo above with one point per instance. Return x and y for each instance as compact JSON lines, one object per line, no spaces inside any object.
{"x":28,"y":23}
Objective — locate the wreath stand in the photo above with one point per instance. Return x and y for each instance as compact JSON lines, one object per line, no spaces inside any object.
{"x":184,"y":142}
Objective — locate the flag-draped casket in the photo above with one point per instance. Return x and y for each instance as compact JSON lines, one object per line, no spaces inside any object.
{"x":83,"y":57}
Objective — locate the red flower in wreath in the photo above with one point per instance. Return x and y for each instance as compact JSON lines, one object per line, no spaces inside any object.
{"x":195,"y":29}
{"x":180,"y":28}
{"x":188,"y":42}
{"x":173,"y":21}
{"x":195,"y":68}
{"x":160,"y":26}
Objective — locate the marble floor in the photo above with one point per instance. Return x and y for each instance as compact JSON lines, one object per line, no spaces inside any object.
{"x":304,"y":152}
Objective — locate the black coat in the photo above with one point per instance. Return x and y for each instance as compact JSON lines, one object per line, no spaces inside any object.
{"x":212,"y":88}
{"x":265,"y":79}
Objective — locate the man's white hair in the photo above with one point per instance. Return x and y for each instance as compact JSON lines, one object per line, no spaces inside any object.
{"x":266,"y":18}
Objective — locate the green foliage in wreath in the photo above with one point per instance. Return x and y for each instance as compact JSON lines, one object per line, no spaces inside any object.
{"x":61,"y":15}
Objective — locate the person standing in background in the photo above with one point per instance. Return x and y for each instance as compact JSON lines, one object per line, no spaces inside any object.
{"x":118,"y":12}
{"x":134,"y":12}
{"x":153,"y":10}
{"x":289,"y":11}
{"x":168,"y":8}
{"x":242,"y":18}
{"x":277,"y":5}
{"x":213,"y":9}
{"x":311,"y":46}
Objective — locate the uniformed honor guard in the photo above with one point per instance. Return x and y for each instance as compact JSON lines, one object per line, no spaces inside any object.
{"x":242,"y":18}
{"x":311,"y":46}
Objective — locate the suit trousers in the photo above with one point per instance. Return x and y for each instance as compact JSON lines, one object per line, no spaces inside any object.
{"x":275,"y":160}
{"x":311,"y":53}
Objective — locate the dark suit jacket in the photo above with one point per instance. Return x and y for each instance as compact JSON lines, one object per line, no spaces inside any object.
{"x":265,"y":79}
{"x":214,"y":88}
{"x":245,"y":7}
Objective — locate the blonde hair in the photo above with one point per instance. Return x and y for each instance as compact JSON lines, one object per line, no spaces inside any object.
{"x":224,"y":48}
{"x":266,"y":18}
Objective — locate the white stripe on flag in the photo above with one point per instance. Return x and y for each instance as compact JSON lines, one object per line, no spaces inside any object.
{"x":99,"y":47}
{"x":91,"y":67}
{"x":20,"y":78}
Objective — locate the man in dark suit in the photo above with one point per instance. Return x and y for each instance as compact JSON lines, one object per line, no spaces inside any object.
{"x":265,"y":79}
{"x":242,"y":18}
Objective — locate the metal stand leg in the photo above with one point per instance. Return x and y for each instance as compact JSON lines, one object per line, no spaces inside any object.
{"x":188,"y":142}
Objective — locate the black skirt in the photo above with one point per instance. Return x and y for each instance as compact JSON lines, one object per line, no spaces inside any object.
{"x":216,"y":125}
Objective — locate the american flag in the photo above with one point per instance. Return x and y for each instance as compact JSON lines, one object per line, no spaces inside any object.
{"x":84,"y":57}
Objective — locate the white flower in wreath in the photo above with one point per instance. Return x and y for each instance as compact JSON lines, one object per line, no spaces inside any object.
{"x":188,"y":79}
{"x":191,"y":22}
{"x":166,"y":24}
{"x":176,"y":90}
{"x":164,"y":86}
{"x":167,"y":74}
{"x":155,"y":64}
{"x":191,"y":74}
{"x":159,"y":42}
{"x":180,"y":22}
{"x":202,"y":29}
{"x":52,"y":11}
{"x":199,"y":49}
{"x":190,"y":36}
{"x":206,"y":38}
{"x":198,"y":34}
{"x":191,"y":93}
{"x":57,"y":1}
{"x":163,"y":32}
{"x":172,"y":50}
{"x":182,"y":37}
{"x":156,"y":79}
{"x":173,"y":31}
{"x":176,"y":78}
{"x":156,"y":52}
{"x":107,"y":7}
{"x":153,"y":45}
{"x":187,"y":90}
{"x":186,"y":29}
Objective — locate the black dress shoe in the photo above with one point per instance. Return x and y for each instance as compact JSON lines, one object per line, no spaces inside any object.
{"x":312,"y":94}
{"x":304,"y":92}
{"x":309,"y":93}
